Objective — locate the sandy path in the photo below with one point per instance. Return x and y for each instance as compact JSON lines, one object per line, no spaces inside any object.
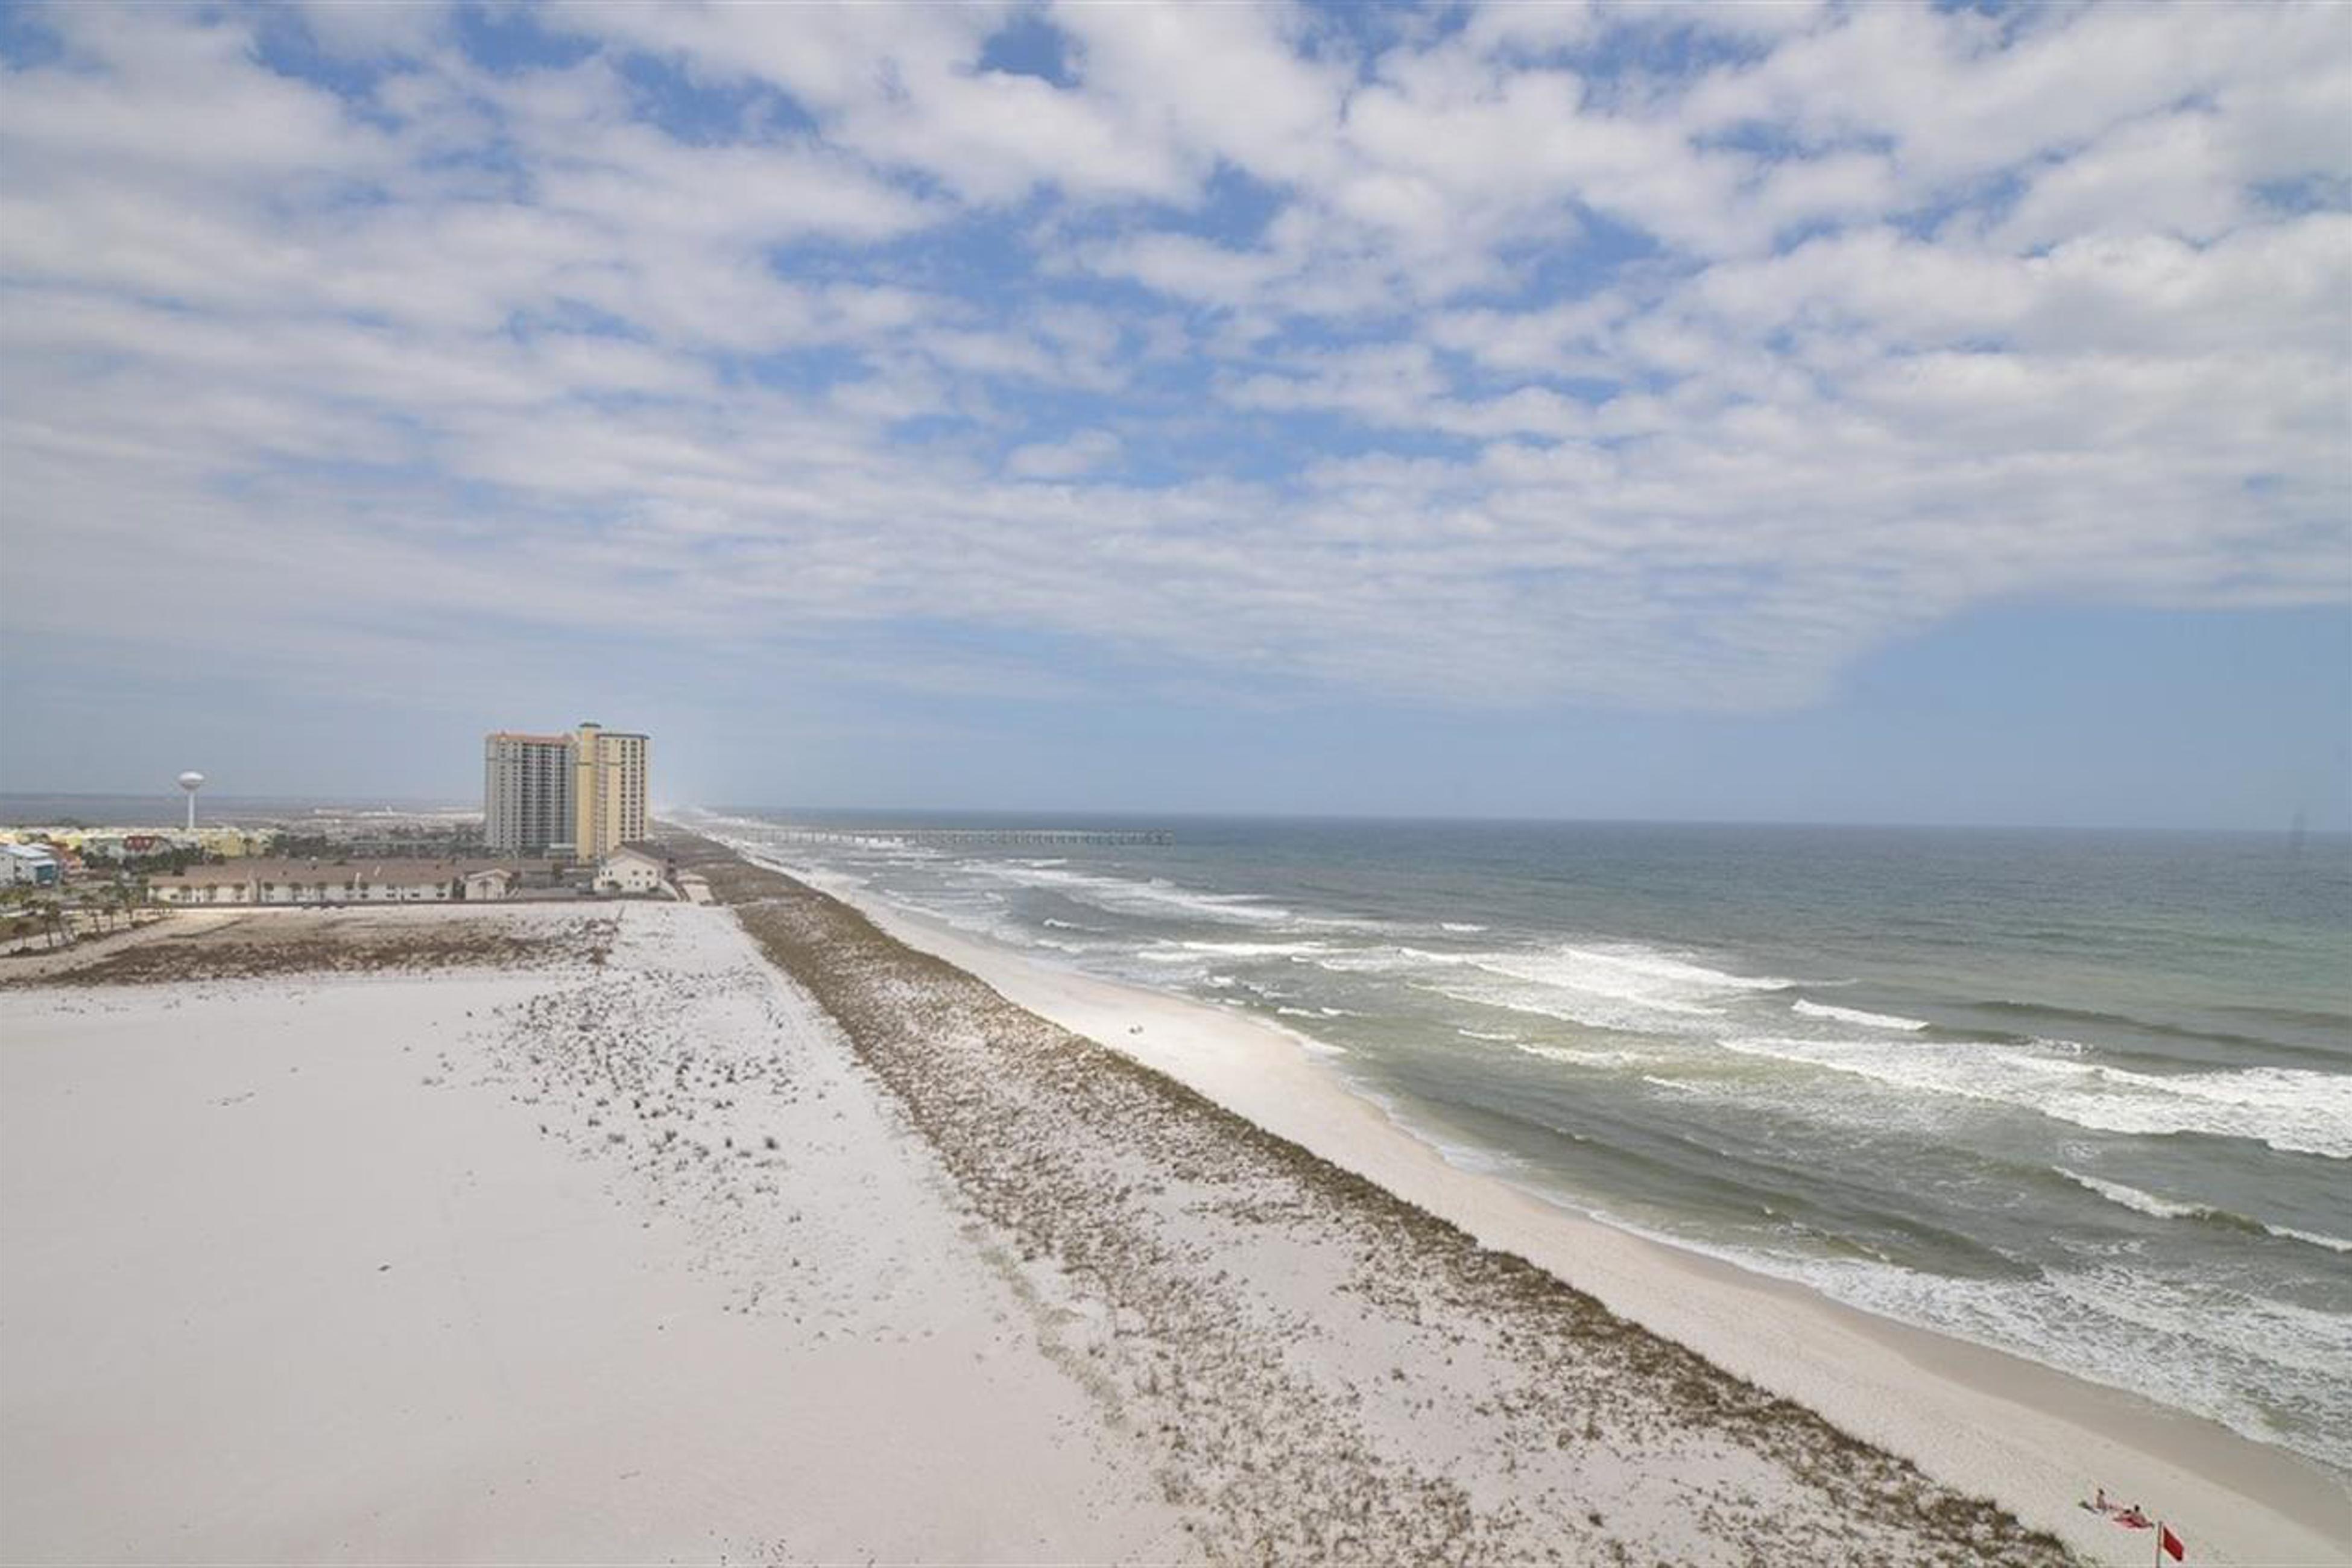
{"x":329,"y":1269}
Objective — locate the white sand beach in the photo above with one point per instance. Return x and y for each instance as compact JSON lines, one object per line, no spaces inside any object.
{"x":1983,"y":1421}
{"x":296,"y":1271}
{"x":583,"y":1234}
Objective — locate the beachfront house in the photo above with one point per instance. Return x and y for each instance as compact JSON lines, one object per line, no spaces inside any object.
{"x":631,"y":870}
{"x":490,"y":882}
{"x":30,"y":865}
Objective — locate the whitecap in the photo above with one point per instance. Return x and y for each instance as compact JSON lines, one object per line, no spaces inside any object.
{"x":2169,"y":1208}
{"x":1614,"y":986}
{"x":2288,"y":1232}
{"x":2133,"y":1199}
{"x":1587,"y":1059}
{"x":1254,"y":949}
{"x":2293,"y":1109}
{"x":1124,"y":895}
{"x":1856,"y":1015}
{"x":2195,"y":1345}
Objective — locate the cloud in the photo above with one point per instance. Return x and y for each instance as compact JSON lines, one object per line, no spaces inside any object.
{"x":906,"y":88}
{"x":1087,"y":452}
{"x":1669,"y":357}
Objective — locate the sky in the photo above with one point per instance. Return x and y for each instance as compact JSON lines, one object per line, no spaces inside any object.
{"x":1837,"y":413}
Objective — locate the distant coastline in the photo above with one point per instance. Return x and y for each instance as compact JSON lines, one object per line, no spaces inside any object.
{"x":28,"y":808}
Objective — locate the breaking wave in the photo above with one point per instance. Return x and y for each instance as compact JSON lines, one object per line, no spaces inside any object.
{"x":1621,"y":986}
{"x":2333,"y":1243}
{"x":1124,"y":895}
{"x":2291,"y":1110}
{"x":2143,"y":1203}
{"x":1255,"y":949}
{"x":1856,"y":1015}
{"x":2169,"y":1208}
{"x":2273,"y":1371}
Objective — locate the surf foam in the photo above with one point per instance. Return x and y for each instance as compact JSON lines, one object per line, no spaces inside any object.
{"x":1856,"y":1015}
{"x":2291,"y":1110}
{"x":1616,"y":986}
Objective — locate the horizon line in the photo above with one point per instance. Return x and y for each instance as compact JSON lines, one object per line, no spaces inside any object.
{"x":2289,"y":830}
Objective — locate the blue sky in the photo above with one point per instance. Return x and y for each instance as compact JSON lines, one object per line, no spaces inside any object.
{"x":1851,"y":413}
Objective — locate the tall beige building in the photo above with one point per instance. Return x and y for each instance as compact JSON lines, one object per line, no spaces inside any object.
{"x":608,"y":790}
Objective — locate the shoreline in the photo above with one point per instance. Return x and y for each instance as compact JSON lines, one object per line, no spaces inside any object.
{"x":1983,"y":1420}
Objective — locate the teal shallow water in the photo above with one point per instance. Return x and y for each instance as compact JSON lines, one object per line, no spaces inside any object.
{"x":2087,"y":1097}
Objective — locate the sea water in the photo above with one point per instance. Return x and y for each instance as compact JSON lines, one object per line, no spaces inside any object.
{"x":2086,"y":1097}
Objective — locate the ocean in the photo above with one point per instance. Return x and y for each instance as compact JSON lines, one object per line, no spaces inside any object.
{"x":2086,"y":1096}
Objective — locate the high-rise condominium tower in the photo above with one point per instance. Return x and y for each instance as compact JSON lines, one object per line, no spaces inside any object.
{"x":608,"y":790}
{"x":526,"y":793}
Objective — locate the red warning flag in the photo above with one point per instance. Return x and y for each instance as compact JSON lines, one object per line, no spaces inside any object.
{"x":2172,"y":1544}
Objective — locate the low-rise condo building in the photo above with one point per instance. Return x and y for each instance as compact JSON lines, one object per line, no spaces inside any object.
{"x":316,"y":882}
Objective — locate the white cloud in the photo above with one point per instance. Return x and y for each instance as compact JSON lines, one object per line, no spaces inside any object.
{"x":903,"y":85}
{"x":1226,"y":82}
{"x":354,"y":29}
{"x":1088,"y":451}
{"x":1438,"y":361}
{"x":178,"y":71}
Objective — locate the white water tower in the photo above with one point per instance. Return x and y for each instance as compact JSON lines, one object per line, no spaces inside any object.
{"x":192,"y":783}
